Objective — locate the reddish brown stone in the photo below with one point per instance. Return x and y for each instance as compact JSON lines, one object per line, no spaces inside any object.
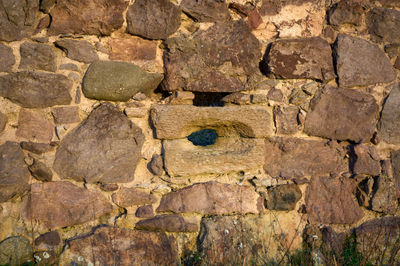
{"x":49,"y":240}
{"x":59,"y":204}
{"x":131,"y":49}
{"x":91,"y":17}
{"x":346,"y":12}
{"x":384,"y":25}
{"x":389,"y":123}
{"x":292,"y":157}
{"x":66,"y":114}
{"x":77,"y":50}
{"x":37,"y":148}
{"x":282,"y":198}
{"x":168,"y":223}
{"x":366,"y":161}
{"x":37,"y":56}
{"x":395,"y":160}
{"x":330,"y":201}
{"x":126,"y":197}
{"x":34,"y":127}
{"x":40,"y":171}
{"x":145,"y":212}
{"x":206,"y":10}
{"x":3,"y":121}
{"x":43,"y":24}
{"x":286,"y":119}
{"x":7,"y":58}
{"x":119,"y":246}
{"x":109,"y":187}
{"x":254,"y":19}
{"x":397,"y":63}
{"x":211,"y":198}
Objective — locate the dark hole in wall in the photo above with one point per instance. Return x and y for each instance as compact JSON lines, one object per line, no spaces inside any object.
{"x":209,"y":98}
{"x":203,"y":137}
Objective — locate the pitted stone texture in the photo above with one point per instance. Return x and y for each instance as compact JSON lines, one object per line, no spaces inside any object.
{"x":126,"y":197}
{"x":104,"y":148}
{"x":206,"y":10}
{"x":155,"y":19}
{"x":384,"y":25}
{"x":361,"y":63}
{"x":293,"y":157}
{"x":145,"y":212}
{"x":15,"y":250}
{"x":3,"y":121}
{"x":286,"y":119}
{"x":17,"y":19}
{"x":36,"y":90}
{"x":282,"y":198}
{"x":223,"y":58}
{"x":119,"y":246}
{"x":211,"y":198}
{"x":346,"y":12}
{"x":395,"y":159}
{"x":367,"y":161}
{"x":14,"y":174}
{"x":40,"y":171}
{"x":178,"y":121}
{"x":7,"y":58}
{"x":132,"y":48}
{"x":168,"y":223}
{"x":61,"y":203}
{"x":389,"y":123}
{"x":342,"y":114}
{"x":34,"y":127}
{"x":81,"y":51}
{"x":330,"y":201}
{"x":182,"y":158}
{"x":117,"y":81}
{"x":301,"y":58}
{"x":91,"y":17}
{"x":384,"y":197}
{"x":37,"y":56}
{"x":65,"y":114}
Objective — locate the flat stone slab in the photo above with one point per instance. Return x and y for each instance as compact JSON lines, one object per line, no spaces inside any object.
{"x":389,"y":123}
{"x":182,"y":158}
{"x":211,"y":198}
{"x":168,"y":223}
{"x":178,"y":121}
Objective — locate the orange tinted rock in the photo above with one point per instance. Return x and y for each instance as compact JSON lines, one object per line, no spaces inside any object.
{"x":131,"y":49}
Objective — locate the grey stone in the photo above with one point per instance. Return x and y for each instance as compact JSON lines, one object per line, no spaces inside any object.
{"x":118,"y":81}
{"x":384,"y":25}
{"x":7,"y":58}
{"x":14,"y":174}
{"x":395,"y":160}
{"x":361,"y":63}
{"x":168,"y":223}
{"x":81,"y":51}
{"x":36,"y":90}
{"x":156,"y":19}
{"x":389,"y":123}
{"x":282,"y":198}
{"x":206,"y":10}
{"x":3,"y":121}
{"x":342,"y":114}
{"x":104,"y":148}
{"x":37,"y":56}
{"x":40,"y":171}
{"x":15,"y":250}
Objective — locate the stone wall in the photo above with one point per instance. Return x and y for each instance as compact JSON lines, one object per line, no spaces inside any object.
{"x":198,"y":131}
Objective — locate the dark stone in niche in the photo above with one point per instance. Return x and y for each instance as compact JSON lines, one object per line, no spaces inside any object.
{"x":206,"y":10}
{"x":223,"y":58}
{"x":104,"y":148}
{"x":282,"y":198}
{"x":156,"y":165}
{"x":48,"y":240}
{"x":40,"y":171}
{"x":153,"y":19}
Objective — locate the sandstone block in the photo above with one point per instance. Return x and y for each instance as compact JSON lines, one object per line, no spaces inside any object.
{"x":35,"y":127}
{"x":395,"y":160}
{"x":81,"y":51}
{"x":126,"y":197}
{"x":65,"y":114}
{"x":286,"y":119}
{"x":132,"y":48}
{"x":206,"y":10}
{"x":168,"y":223}
{"x":37,"y":56}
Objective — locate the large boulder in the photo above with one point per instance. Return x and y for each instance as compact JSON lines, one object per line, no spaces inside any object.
{"x":342,"y":114}
{"x":117,"y":81}
{"x":223,"y":58}
{"x":389,"y":123}
{"x":104,"y":148}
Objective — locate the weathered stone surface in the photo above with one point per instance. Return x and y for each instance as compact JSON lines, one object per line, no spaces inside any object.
{"x":7,"y":58}
{"x":61,"y":203}
{"x":292,"y":157}
{"x":47,"y":5}
{"x":275,"y":95}
{"x":378,"y":239}
{"x":40,"y":171}
{"x":237,"y":98}
{"x":135,"y":112}
{"x":109,"y":187}
{"x":81,"y":51}
{"x":301,"y":58}
{"x":223,"y":58}
{"x":282,"y":198}
{"x":361,"y":63}
{"x":211,"y":198}
{"x":384,"y":25}
{"x":14,"y":174}
{"x":104,"y":148}
{"x":145,"y":212}
{"x":156,"y":19}
{"x":342,"y":114}
{"x":206,"y":10}
{"x":118,"y":81}
{"x":126,"y":197}
{"x":180,"y":97}
{"x":3,"y":121}
{"x":395,"y":160}
{"x":132,"y":48}
{"x":346,"y":12}
{"x":366,"y":161}
{"x":48,"y":240}
{"x":34,"y":127}
{"x":156,"y":165}
{"x":389,"y":123}
{"x":15,"y":250}
{"x":286,"y":119}
{"x":178,"y":121}
{"x":91,"y":17}
{"x":389,"y":3}
{"x":168,"y":223}
{"x":384,"y":197}
{"x":36,"y":90}
{"x":44,"y":23}
{"x":17,"y":19}
{"x":330,"y":201}
{"x":65,"y":114}
{"x":37,"y":56}
{"x":119,"y":246}
{"x":182,"y":158}
{"x":37,"y":148}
